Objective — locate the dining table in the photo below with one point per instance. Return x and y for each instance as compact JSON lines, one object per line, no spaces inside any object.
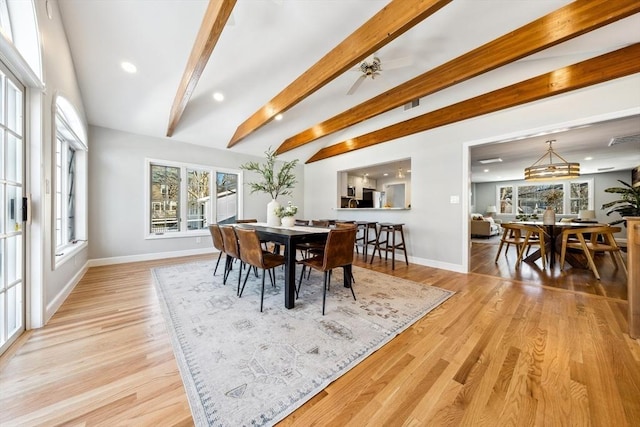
{"x":289,"y":237}
{"x":554,"y":241}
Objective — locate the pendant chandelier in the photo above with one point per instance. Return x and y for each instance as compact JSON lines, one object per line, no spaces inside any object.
{"x":540,"y":171}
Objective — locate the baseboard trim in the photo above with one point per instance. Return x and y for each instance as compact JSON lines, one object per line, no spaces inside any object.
{"x":55,"y":304}
{"x":436,"y":264}
{"x":149,"y":257}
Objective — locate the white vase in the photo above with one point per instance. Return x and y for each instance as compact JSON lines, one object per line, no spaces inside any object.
{"x":549,"y":216}
{"x":288,"y":221}
{"x":272,"y":219}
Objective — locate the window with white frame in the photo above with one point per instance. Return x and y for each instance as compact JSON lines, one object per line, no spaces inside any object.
{"x":186,"y":198}
{"x":566,"y":198}
{"x":70,"y":181}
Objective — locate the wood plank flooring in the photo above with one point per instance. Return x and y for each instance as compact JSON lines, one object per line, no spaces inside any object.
{"x":541,"y":349}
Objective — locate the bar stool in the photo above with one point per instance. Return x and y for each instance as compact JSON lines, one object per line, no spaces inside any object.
{"x":387,"y":246}
{"x":365,"y":239}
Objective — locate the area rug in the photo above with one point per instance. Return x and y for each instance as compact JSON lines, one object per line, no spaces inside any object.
{"x":243,"y":367}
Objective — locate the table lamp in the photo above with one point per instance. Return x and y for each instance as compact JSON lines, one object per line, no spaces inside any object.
{"x":491,"y":209}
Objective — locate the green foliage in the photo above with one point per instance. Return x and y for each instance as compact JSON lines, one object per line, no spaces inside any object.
{"x":627,"y":205}
{"x":289,"y":210}
{"x":273,"y":183}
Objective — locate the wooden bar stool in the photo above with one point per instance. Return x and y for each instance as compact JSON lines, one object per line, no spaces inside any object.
{"x":364,"y":238}
{"x":389,"y":246}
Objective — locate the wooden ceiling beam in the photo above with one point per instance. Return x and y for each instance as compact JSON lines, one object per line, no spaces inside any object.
{"x":613,"y":65}
{"x":215,"y":18}
{"x":393,"y":20}
{"x":568,"y":22}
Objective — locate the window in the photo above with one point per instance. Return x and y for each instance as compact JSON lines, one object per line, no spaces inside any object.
{"x":567,"y":198}
{"x":181,"y":202}
{"x":534,"y":199}
{"x":69,"y":182}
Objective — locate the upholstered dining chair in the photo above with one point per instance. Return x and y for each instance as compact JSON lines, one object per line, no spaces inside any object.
{"x":511,"y":235}
{"x":246,"y":221}
{"x":533,"y":236}
{"x":218,"y":243}
{"x":233,"y":252}
{"x":338,"y":252}
{"x":591,"y":240}
{"x":251,"y":253}
{"x":307,"y":247}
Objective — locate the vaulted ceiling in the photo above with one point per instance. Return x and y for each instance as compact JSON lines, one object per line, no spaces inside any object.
{"x":265,"y":45}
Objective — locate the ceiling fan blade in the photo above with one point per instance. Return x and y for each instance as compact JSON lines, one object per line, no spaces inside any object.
{"x":405,"y":61}
{"x":357,"y":84}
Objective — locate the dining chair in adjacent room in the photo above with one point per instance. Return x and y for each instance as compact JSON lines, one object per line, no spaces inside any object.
{"x":533,"y":236}
{"x":233,"y":252}
{"x":591,"y":240}
{"x":251,"y":253}
{"x":338,"y":252}
{"x":218,"y":243}
{"x":511,"y":235}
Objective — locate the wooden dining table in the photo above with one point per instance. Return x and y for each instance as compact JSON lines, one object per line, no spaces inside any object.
{"x":554,"y":242}
{"x":289,"y":237}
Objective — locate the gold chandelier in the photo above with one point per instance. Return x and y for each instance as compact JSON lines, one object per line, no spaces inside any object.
{"x":550,"y":171}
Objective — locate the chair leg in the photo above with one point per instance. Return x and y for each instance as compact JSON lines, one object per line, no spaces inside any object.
{"x":217,"y":262}
{"x":240,"y":273}
{"x":589,"y":256}
{"x":324,"y":294}
{"x":244,"y":284}
{"x":300,"y":281}
{"x":262,"y":292}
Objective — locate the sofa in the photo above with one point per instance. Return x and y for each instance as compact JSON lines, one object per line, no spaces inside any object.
{"x":483,"y":226}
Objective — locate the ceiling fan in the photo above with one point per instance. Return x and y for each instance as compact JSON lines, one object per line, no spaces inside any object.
{"x":372,"y":66}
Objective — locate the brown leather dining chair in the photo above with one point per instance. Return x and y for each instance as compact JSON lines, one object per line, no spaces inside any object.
{"x":338,"y":252}
{"x":251,"y":253}
{"x":591,"y":240}
{"x":218,"y":243}
{"x":232,"y":250}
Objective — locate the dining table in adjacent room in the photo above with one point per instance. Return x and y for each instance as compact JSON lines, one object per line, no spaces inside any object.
{"x":554,"y":231}
{"x":289,"y":237}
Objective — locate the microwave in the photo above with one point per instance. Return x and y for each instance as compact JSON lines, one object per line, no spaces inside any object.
{"x":351,"y":191}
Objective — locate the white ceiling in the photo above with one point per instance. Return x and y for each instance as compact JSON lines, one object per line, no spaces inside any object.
{"x":272,"y":42}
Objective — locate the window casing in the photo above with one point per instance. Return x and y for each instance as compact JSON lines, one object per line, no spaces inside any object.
{"x":69,"y":185}
{"x":183,"y":199}
{"x":566,"y":198}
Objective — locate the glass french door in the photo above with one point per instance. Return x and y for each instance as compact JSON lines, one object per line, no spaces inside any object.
{"x":12,"y":250}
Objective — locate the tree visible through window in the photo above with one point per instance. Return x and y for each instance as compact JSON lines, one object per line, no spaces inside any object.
{"x":165,"y":196}
{"x":179,"y":192}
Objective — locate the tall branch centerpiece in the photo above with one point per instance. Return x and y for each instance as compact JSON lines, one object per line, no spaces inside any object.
{"x":275,"y":183}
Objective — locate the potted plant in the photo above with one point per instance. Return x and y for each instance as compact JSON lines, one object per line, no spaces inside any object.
{"x":286,"y":213}
{"x":274,"y":183}
{"x":627,"y":205}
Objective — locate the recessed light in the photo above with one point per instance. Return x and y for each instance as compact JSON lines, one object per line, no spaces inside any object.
{"x":385,"y":174}
{"x":218,"y":97}
{"x":588,"y":158}
{"x":487,"y":161}
{"x":278,"y":117}
{"x":486,"y":170}
{"x":128,"y":67}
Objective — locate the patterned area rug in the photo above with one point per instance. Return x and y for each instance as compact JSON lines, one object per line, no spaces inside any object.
{"x":243,"y":367}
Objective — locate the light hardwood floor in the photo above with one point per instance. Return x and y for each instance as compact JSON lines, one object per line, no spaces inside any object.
{"x":500,"y":352}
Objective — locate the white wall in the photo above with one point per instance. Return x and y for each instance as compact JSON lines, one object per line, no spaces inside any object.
{"x":437,"y":233}
{"x":59,"y":78}
{"x":117,"y":191}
